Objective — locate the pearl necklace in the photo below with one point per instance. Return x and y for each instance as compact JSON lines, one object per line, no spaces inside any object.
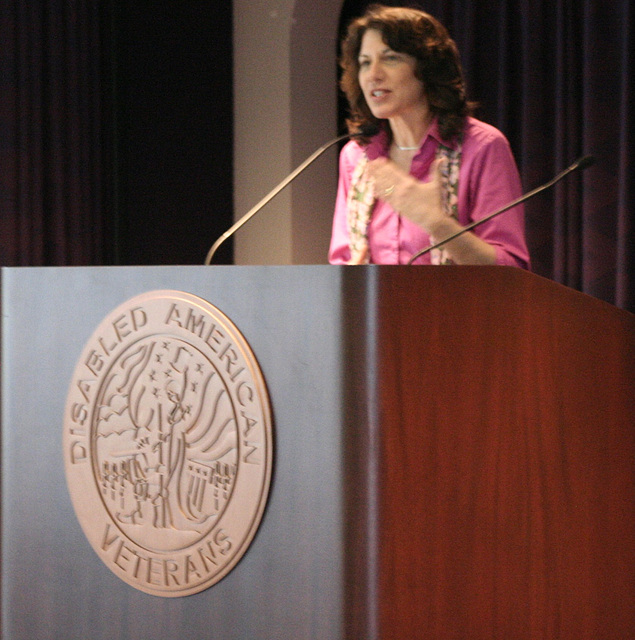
{"x":405,"y":148}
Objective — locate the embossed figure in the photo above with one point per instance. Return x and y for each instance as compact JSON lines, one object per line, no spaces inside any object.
{"x":166,"y":438}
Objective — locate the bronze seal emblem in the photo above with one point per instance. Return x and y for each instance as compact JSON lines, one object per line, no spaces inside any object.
{"x":168,"y":443}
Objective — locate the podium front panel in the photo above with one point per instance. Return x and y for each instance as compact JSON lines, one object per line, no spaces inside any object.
{"x":453,"y":458}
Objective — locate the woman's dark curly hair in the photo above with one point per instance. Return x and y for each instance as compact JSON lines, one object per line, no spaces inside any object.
{"x":438,"y":65}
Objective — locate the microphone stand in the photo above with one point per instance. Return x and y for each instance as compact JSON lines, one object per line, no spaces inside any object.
{"x":579,"y":164}
{"x":274,"y":192}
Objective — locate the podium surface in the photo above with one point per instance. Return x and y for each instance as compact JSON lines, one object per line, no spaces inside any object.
{"x":454,"y":458}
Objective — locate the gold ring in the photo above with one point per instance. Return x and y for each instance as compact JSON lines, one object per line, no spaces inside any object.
{"x":390,"y":189}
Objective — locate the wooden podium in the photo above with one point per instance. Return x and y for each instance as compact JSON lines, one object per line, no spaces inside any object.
{"x":454,"y":458}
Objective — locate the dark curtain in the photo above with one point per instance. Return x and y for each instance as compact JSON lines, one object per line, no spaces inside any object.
{"x":52,"y":151}
{"x":174,"y":116}
{"x":115,"y":131}
{"x":556,"y":77}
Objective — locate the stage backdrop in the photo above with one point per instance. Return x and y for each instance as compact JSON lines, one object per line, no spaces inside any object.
{"x":117,"y":122}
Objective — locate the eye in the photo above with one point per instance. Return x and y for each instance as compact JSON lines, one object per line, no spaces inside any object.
{"x":391,"y":56}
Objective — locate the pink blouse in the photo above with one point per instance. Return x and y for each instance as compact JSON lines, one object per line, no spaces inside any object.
{"x":488,"y":180}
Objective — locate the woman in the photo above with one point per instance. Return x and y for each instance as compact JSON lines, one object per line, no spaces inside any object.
{"x":432,"y":168}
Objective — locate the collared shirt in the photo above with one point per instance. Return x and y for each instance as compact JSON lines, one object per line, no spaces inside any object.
{"x":488,"y":180}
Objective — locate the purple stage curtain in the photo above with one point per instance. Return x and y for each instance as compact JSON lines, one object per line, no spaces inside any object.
{"x":51,"y":186}
{"x":556,"y":76}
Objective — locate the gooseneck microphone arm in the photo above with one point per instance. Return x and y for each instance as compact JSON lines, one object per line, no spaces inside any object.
{"x":274,"y":192}
{"x":579,"y":164}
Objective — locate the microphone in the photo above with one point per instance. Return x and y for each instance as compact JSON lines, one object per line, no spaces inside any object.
{"x":580,"y":164}
{"x":366,"y":131}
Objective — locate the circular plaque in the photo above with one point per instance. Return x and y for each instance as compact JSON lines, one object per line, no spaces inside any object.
{"x":168,"y":443}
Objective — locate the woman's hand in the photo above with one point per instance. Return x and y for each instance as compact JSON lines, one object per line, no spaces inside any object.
{"x":420,"y":202}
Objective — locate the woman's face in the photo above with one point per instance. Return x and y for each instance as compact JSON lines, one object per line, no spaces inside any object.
{"x":388,"y":81}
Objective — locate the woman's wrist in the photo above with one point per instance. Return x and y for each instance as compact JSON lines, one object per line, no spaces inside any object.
{"x":442,"y":226}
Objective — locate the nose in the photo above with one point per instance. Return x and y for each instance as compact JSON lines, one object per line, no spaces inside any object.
{"x":375,"y":70}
